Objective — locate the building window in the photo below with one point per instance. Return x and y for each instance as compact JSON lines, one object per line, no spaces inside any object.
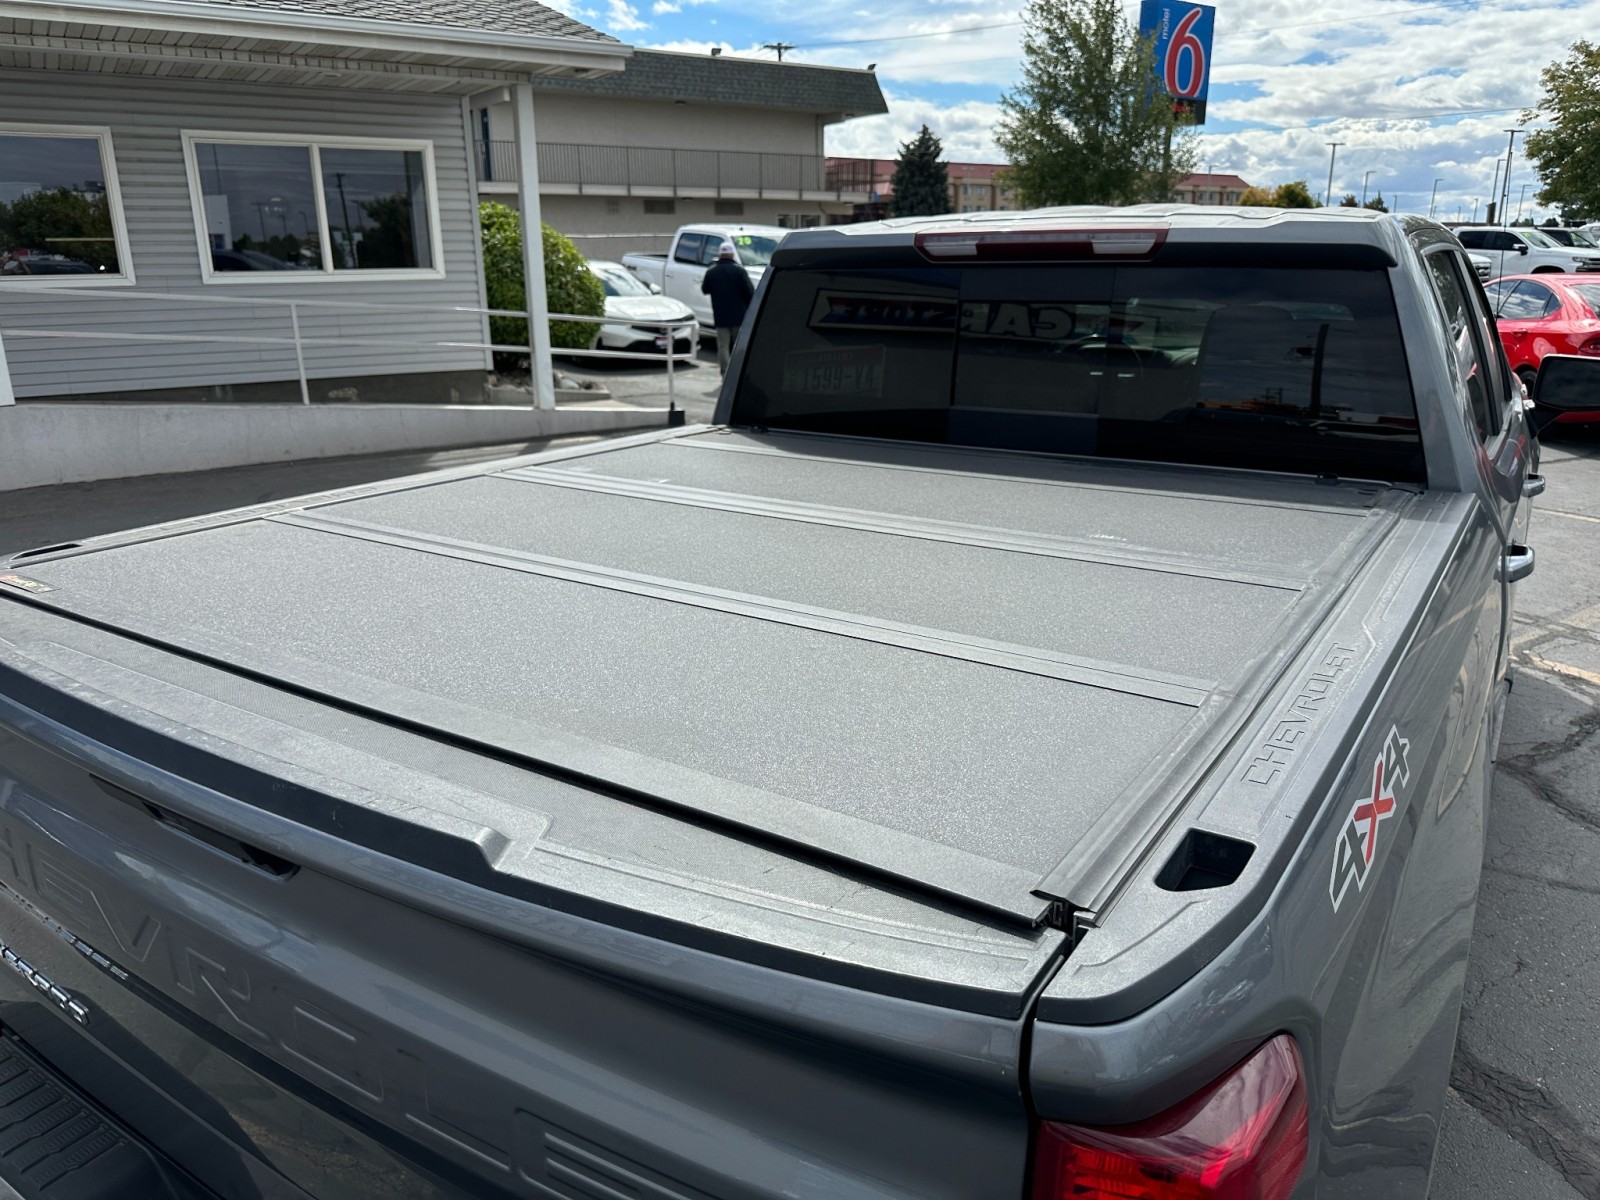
{"x":286,"y":209}
{"x":660,"y":208}
{"x":60,"y":208}
{"x":728,"y":208}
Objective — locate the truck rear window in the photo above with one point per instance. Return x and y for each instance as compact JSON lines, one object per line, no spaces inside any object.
{"x":1287,"y":369}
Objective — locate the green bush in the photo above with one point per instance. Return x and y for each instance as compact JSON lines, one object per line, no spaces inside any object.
{"x":569,"y":285}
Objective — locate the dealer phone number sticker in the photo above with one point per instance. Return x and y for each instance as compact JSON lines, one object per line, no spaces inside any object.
{"x":857,"y":371}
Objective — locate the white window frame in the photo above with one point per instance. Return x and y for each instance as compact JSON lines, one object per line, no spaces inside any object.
{"x":315,"y":145}
{"x":119,"y":228}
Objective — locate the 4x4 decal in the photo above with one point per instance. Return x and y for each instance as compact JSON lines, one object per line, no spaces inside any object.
{"x":1359,"y":836}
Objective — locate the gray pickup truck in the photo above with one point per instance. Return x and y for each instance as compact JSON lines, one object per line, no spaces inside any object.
{"x":1034,"y":744}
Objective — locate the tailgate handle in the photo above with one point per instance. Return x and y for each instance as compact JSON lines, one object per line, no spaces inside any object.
{"x":1533,"y":486}
{"x":251,"y":856}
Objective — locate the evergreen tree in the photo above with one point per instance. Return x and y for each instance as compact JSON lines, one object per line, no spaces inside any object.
{"x":1567,"y":153}
{"x":1376,"y":204}
{"x":1089,"y":124}
{"x":1349,"y":201}
{"x":921,"y":182}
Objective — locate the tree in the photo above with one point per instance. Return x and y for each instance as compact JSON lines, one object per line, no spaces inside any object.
{"x":1566,"y":155}
{"x":1293,"y":195}
{"x":569,"y":286}
{"x":921,"y":183}
{"x":61,"y":221}
{"x":1349,"y":201}
{"x":1256,"y":197}
{"x":1376,"y":204}
{"x":1089,"y":124}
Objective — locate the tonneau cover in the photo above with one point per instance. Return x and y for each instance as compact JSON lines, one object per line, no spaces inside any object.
{"x":955,"y":668}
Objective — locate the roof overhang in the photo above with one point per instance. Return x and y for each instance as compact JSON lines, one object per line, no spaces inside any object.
{"x":200,"y":40}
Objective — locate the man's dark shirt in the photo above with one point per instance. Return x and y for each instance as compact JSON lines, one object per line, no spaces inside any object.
{"x":728,"y":284}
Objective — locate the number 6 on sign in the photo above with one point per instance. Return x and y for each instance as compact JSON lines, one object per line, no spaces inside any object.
{"x":1182,"y":37}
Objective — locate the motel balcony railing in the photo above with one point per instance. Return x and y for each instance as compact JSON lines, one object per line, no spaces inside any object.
{"x":666,"y":171}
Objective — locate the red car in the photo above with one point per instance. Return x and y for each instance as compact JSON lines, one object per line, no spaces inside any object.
{"x":1546,"y":314}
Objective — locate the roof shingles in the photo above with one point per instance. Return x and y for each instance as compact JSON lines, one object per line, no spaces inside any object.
{"x":517,"y":17}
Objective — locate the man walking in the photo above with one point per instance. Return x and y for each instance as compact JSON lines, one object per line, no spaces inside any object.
{"x":728,"y":285}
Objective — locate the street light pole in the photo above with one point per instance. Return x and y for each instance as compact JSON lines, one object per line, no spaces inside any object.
{"x":1327,"y":195}
{"x":1520,"y":197}
{"x":1364,"y":179}
{"x":1494,"y":188}
{"x":1511,"y":143}
{"x":1433,"y":200}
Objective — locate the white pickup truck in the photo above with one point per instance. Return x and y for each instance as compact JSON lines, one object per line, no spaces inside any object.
{"x":694,"y":248}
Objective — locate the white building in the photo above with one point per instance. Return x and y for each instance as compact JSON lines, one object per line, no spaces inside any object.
{"x":626,"y":158}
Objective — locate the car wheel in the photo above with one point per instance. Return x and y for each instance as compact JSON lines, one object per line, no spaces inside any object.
{"x":1527,"y":375}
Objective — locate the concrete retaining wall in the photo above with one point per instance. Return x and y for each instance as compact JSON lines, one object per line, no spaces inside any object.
{"x":77,"y":442}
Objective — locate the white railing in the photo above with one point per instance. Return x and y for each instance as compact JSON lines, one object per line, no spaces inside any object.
{"x":299,"y":342}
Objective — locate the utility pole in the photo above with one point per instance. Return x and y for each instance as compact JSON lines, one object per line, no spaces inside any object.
{"x":780,"y":47}
{"x":1505,"y":193}
{"x":1327,"y":195}
{"x":1433,"y":200}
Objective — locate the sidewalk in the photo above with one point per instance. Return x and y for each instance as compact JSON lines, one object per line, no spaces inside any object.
{"x":70,"y":512}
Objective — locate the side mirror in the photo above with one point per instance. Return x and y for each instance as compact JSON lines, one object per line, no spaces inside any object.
{"x":1566,"y":383}
{"x":655,"y":289}
{"x":1522,"y":247}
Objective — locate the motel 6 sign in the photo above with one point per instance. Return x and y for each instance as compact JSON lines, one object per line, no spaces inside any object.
{"x":1182,"y":34}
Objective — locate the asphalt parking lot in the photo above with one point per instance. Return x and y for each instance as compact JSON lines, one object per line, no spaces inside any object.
{"x":1523,"y":1116}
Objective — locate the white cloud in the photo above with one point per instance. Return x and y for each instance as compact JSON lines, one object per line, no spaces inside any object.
{"x":623,"y":17}
{"x":662,"y":7}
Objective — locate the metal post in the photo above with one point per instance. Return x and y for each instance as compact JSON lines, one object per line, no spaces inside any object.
{"x":1327,"y":194}
{"x":299,"y":354}
{"x":1521,"y":196}
{"x":7,"y":396}
{"x":1494,"y":191}
{"x":1433,"y":200}
{"x":674,"y":417}
{"x":540,"y":369}
{"x":1505,"y":188}
{"x":1364,"y":180}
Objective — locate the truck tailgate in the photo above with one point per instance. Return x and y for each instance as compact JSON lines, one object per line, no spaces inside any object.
{"x":952,"y":670}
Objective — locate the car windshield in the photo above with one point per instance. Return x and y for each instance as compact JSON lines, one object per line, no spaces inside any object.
{"x":1580,"y":238}
{"x":1589,"y":293}
{"x":1284,"y":368}
{"x":618,"y":280}
{"x":755,"y":249}
{"x":1535,"y":238}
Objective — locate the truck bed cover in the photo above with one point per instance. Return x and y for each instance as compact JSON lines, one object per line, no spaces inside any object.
{"x":959,"y":671}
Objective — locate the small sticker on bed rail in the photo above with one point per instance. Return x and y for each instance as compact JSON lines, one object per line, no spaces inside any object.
{"x":23,"y":583}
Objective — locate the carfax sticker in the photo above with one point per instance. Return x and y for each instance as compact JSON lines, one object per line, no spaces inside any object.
{"x":857,"y":371}
{"x":23,"y":583}
{"x":1362,"y":831}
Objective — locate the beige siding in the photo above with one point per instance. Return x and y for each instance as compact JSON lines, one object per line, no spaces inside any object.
{"x":618,"y":121}
{"x":146,"y":118}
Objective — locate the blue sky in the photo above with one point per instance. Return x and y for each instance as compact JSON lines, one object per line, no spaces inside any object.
{"x":1416,"y":91}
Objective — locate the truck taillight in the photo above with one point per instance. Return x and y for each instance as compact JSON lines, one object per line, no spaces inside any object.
{"x":1242,"y":1138}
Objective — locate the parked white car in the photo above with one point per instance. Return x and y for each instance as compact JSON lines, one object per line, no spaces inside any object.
{"x":694,"y":248}
{"x":1525,"y":251}
{"x":630,"y":300}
